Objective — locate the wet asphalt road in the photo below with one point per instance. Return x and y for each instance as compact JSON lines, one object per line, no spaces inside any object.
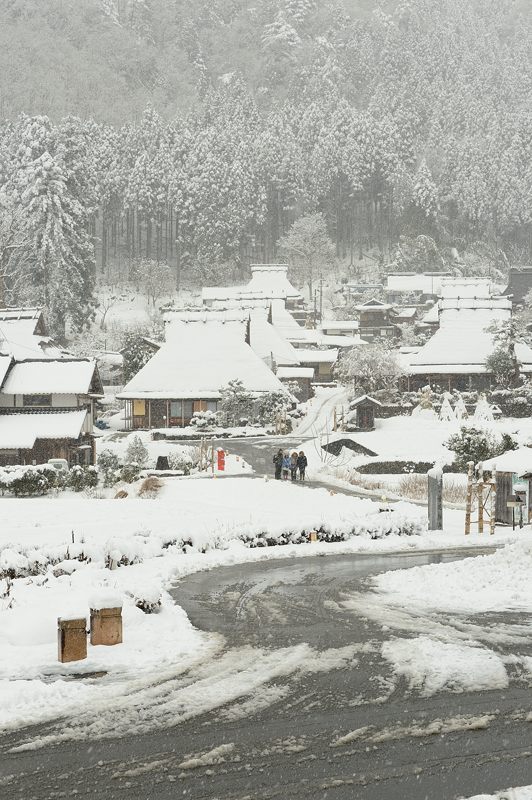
{"x":287,"y":746}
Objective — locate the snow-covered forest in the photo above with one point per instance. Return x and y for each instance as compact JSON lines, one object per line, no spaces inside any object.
{"x":234,"y":119}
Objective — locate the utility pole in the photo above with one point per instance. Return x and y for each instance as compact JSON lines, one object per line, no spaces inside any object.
{"x":321,"y":298}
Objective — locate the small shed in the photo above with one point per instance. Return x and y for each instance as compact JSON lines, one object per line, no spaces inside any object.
{"x":364,"y":408}
{"x":512,"y":469}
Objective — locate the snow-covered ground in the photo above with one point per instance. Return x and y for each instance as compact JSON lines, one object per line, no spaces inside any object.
{"x":444,"y":619}
{"x":518,"y":793}
{"x":64,"y":546}
{"x":319,"y":415}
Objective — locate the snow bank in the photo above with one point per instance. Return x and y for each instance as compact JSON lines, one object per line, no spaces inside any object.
{"x":432,"y":666}
{"x":519,"y":793}
{"x":496,"y":582}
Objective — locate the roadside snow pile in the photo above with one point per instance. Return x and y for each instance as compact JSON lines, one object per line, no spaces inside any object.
{"x":432,"y":666}
{"x":496,"y":582}
{"x":519,"y":793}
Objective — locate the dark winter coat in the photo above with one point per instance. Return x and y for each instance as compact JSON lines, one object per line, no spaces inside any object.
{"x":278,"y":460}
{"x":302,"y":463}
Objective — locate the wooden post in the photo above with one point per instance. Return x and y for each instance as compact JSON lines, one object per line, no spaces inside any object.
{"x":493,"y":496}
{"x":480,"y":498}
{"x":469,"y":497}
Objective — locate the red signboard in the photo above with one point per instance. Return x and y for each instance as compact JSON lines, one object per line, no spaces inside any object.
{"x":221,"y":460}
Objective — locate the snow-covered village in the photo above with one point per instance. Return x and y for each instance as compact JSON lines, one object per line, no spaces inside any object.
{"x":266,"y":399}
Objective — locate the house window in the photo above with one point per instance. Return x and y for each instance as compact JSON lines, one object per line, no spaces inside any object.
{"x":199,"y":405}
{"x":139,"y":408}
{"x":175,"y":409}
{"x":36,"y":400}
{"x":212,"y":405}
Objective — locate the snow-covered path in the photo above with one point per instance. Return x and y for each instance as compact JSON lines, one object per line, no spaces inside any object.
{"x":297,"y":701}
{"x":320,"y":417}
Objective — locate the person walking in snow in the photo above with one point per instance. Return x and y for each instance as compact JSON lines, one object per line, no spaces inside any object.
{"x":286,"y":465}
{"x":293,"y":466}
{"x":302,"y":465}
{"x":278,"y":464}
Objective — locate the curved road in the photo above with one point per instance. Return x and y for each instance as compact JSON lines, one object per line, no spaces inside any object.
{"x":298,"y":703}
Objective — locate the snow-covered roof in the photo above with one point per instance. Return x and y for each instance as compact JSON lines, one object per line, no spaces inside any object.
{"x":373,"y":305}
{"x":62,"y":376}
{"x":20,"y":431}
{"x":272,"y":279}
{"x":493,"y":304}
{"x":339,"y":341}
{"x":425,"y":283}
{"x":317,"y":356}
{"x":295,"y":372}
{"x":231,"y":294}
{"x":268,"y":282}
{"x":197,"y":359}
{"x":518,"y":461}
{"x":22,"y":335}
{"x":267,"y":342}
{"x":339,"y":325}
{"x":365,"y":398}
{"x":285,"y":323}
{"x":466,"y":287}
{"x":462,"y":345}
{"x":406,"y":312}
{"x":432,"y":316}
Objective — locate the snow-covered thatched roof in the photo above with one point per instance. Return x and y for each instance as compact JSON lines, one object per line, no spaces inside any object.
{"x":462,"y":344}
{"x":61,"y":376}
{"x":20,"y":431}
{"x":23,"y":335}
{"x":272,"y":279}
{"x":197,"y":359}
{"x":425,"y":283}
{"x":268,"y":282}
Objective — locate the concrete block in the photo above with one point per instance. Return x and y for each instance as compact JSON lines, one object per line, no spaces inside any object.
{"x":72,"y":639}
{"x":106,"y":626}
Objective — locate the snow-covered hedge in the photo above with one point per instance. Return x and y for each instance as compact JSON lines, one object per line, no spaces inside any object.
{"x":30,"y":481}
{"x":35,"y":481}
{"x":18,"y":561}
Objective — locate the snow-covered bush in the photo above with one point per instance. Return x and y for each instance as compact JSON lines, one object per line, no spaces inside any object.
{"x":179,"y":462}
{"x":148,"y":599}
{"x":30,"y":481}
{"x":271,"y":404}
{"x":130,"y":472}
{"x":204,"y":420}
{"x":109,"y":467}
{"x":80,"y":478}
{"x":236,"y":404}
{"x":137,"y":452}
{"x":473,"y":444}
